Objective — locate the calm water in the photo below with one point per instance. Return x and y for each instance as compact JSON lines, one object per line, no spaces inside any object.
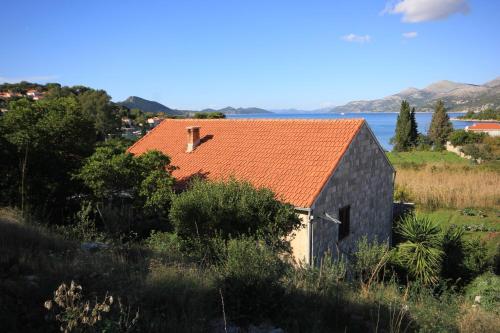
{"x":382,"y":124}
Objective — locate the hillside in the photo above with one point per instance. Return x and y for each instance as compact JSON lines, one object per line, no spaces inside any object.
{"x":231,"y":110}
{"x":457,"y":97}
{"x":134,"y":102}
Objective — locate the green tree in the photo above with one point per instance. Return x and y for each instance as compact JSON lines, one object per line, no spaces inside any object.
{"x":118,"y":180}
{"x":413,"y":128}
{"x":49,"y":140}
{"x":97,"y":105}
{"x":232,"y":208}
{"x":440,"y":127}
{"x":402,"y":137}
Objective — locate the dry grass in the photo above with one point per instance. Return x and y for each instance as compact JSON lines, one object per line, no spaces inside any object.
{"x":476,"y":320}
{"x":451,"y":186}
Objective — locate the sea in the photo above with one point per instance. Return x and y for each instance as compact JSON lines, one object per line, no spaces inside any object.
{"x":383,"y":124}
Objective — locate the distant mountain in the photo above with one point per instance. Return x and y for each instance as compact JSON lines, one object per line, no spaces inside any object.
{"x":231,"y":110}
{"x":134,"y":102}
{"x":456,"y":96}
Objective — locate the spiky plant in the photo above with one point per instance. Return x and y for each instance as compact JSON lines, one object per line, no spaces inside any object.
{"x":420,"y":251}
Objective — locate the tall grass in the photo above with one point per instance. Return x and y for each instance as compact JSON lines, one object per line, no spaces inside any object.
{"x":451,"y":186}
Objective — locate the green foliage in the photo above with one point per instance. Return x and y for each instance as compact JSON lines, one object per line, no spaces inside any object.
{"x":111,"y":173}
{"x":232,"y":208}
{"x":209,"y":115}
{"x":402,"y":193}
{"x":477,"y":152}
{"x":324,"y":277}
{"x":48,"y":140}
{"x":488,"y":114}
{"x":488,"y":287}
{"x":463,"y":259}
{"x":440,"y":127}
{"x":97,"y":105}
{"x":414,"y":135}
{"x":83,"y":228}
{"x":420,"y":252}
{"x":163,"y":242}
{"x":406,"y":134}
{"x":462,"y":137}
{"x":129,"y":188}
{"x":249,"y":278}
{"x":369,"y":259}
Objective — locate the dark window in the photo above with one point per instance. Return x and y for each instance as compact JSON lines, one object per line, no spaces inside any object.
{"x":345,"y":221}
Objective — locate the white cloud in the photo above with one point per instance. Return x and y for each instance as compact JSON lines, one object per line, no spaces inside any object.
{"x":356,"y":38}
{"x":414,"y":11}
{"x":43,"y":78}
{"x":411,"y":34}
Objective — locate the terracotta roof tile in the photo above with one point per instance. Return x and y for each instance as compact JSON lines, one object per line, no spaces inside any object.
{"x":485,"y":127}
{"x":294,"y":158}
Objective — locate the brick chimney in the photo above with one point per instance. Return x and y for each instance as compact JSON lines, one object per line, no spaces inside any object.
{"x":193,"y":138}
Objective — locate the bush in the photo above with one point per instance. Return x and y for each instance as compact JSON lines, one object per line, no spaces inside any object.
{"x":164,"y":242}
{"x":249,"y":278}
{"x":232,"y":209}
{"x":402,"y":193}
{"x":488,"y":287}
{"x":369,"y":259}
{"x":462,"y":137}
{"x":477,"y":151}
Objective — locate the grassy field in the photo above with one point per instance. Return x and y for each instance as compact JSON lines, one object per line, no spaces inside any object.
{"x":444,"y":180}
{"x":425,"y":157}
{"x":484,"y":224}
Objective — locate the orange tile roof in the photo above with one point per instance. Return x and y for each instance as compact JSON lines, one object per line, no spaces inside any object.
{"x":294,"y":158}
{"x":485,"y":127}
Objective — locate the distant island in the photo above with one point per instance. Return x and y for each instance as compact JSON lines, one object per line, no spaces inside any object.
{"x":458,"y":97}
{"x":134,"y":102}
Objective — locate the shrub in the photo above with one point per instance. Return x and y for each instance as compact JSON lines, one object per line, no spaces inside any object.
{"x":369,"y":259}
{"x":477,"y":151}
{"x":164,"y":242}
{"x":420,"y":252}
{"x":462,"y":137}
{"x":488,"y":287}
{"x":249,"y":278}
{"x":231,"y":209}
{"x":402,"y":193}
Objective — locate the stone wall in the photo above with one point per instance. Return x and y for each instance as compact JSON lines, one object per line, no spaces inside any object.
{"x":364,"y":180}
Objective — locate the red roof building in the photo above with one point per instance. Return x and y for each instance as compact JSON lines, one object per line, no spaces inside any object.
{"x":319,"y":166}
{"x":492,"y":129}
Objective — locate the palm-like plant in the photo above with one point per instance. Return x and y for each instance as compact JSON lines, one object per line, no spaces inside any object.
{"x":420,"y":252}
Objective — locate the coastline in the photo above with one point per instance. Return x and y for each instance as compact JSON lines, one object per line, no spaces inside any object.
{"x":476,"y":120}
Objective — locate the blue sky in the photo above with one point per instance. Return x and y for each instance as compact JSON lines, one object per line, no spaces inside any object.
{"x":270,"y":53}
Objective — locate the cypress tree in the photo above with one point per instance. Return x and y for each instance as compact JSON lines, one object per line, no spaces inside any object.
{"x":441,"y":126}
{"x":401,"y":139}
{"x":413,"y":128}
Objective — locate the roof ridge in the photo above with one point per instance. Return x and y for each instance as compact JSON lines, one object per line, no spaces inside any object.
{"x":270,"y":119}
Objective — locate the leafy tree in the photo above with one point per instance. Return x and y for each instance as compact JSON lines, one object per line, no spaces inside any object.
{"x":402,"y":138}
{"x":232,"y":208}
{"x":420,"y":252}
{"x":440,"y":127}
{"x":97,"y":105}
{"x":118,"y":180}
{"x":49,"y":140}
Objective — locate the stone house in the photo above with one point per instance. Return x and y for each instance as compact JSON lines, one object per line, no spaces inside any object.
{"x":334,"y":172}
